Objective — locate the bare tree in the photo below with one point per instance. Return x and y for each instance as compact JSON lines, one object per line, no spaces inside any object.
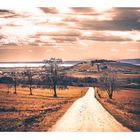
{"x":54,"y":72}
{"x":108,"y":82}
{"x":14,"y":77}
{"x":28,"y":73}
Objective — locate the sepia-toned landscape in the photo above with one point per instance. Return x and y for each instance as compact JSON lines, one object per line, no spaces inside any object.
{"x":70,"y":69}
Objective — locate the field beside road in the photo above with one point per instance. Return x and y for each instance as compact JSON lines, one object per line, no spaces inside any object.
{"x":37,"y":112}
{"x":125,"y":107}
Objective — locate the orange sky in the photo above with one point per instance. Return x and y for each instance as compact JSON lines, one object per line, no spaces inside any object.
{"x":34,"y":34}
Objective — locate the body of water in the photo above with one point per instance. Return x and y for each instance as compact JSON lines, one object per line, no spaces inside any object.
{"x":21,"y":65}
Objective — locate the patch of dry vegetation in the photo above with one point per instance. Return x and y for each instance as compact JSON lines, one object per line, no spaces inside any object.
{"x":125,"y":107}
{"x":37,"y":112}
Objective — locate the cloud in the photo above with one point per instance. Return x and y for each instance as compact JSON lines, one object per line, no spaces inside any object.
{"x":108,"y":35}
{"x":61,"y":39}
{"x":127,"y":13}
{"x":83,"y":10}
{"x":102,"y":36}
{"x":82,"y":14}
{"x":50,"y":10}
{"x":1,"y":37}
{"x":41,"y":41}
{"x":7,"y":45}
{"x":113,"y":25}
{"x":122,"y":19}
{"x":4,"y":13}
{"x":60,"y":36}
{"x":60,"y":32}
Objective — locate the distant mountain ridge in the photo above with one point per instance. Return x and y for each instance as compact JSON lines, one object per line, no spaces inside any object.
{"x":131,"y":61}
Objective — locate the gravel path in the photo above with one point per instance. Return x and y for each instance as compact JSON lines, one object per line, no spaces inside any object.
{"x":87,"y":114}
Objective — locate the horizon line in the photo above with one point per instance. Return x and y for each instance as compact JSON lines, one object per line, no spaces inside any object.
{"x":65,"y":60}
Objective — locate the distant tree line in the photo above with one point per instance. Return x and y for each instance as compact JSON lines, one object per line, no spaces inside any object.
{"x":101,"y":61}
{"x":65,"y":81}
{"x":133,"y":80}
{"x":44,"y":82}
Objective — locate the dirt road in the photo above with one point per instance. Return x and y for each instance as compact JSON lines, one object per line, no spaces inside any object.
{"x":87,"y":114}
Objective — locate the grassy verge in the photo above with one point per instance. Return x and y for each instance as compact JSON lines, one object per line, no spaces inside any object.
{"x":125,"y":107}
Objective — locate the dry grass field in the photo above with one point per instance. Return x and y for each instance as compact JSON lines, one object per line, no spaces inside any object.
{"x":37,"y":112}
{"x":125,"y":107}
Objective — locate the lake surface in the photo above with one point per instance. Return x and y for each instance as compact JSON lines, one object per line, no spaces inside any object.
{"x":20,"y":65}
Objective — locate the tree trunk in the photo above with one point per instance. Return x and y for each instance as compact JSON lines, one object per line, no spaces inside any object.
{"x":98,"y":68}
{"x":54,"y":88}
{"x":110,"y":95}
{"x":31,"y":90}
{"x":15,"y":86}
{"x":8,"y":86}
